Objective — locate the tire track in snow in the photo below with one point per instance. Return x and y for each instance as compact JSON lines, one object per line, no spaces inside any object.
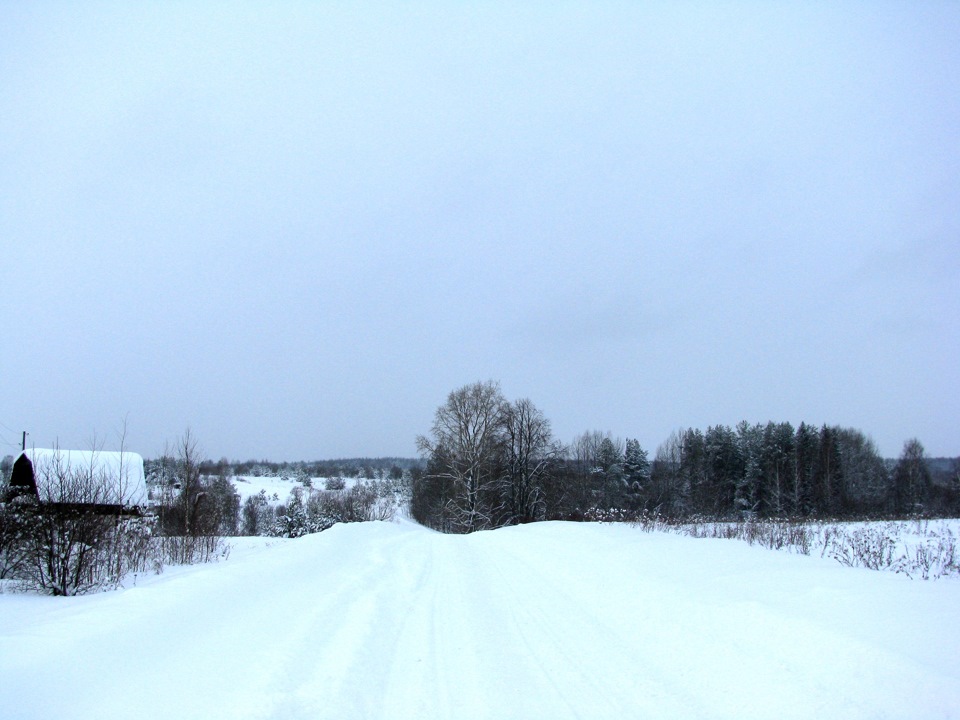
{"x":345,"y":652}
{"x":480,"y":643}
{"x":582,"y":656}
{"x":556,"y":621}
{"x":434,"y":668}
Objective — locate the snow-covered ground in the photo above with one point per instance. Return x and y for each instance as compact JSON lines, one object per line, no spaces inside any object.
{"x":277,"y":489}
{"x":552,"y":620}
{"x":250,"y":485}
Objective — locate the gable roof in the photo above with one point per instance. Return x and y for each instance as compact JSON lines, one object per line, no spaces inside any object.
{"x":87,"y":476}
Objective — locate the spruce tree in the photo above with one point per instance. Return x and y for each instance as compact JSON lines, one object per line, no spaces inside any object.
{"x":636,"y":473}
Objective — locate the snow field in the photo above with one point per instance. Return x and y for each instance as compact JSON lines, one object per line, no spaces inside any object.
{"x":250,"y":485}
{"x":552,"y":620}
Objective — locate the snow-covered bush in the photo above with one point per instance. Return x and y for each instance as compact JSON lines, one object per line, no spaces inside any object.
{"x":258,"y":515}
{"x":295,"y":520}
{"x":309,"y":511}
{"x":360,"y":503}
{"x":335,"y":483}
{"x":609,"y":515}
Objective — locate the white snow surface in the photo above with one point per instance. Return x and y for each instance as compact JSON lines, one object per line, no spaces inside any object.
{"x":250,"y":485}
{"x":551,"y":620}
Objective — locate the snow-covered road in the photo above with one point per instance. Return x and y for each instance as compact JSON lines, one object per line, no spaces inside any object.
{"x":555,"y":620}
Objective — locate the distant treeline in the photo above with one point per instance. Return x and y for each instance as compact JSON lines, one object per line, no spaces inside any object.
{"x":491,"y":462}
{"x":776,"y":470}
{"x":368,"y":468}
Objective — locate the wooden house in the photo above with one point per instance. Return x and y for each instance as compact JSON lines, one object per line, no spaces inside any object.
{"x":110,"y":483}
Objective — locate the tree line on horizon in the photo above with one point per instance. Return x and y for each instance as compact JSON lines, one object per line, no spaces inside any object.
{"x":366,"y":468}
{"x":491,"y":462}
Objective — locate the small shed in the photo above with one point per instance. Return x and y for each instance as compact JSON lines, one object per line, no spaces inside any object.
{"x":113,"y":482}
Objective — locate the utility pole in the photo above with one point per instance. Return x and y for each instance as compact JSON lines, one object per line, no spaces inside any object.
{"x":23,"y":447}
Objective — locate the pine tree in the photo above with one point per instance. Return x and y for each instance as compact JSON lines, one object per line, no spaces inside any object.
{"x":828,"y":488}
{"x":806,"y":449}
{"x":748,"y":491}
{"x":610,"y":474}
{"x":695,"y":472}
{"x":636,"y":473}
{"x":777,"y":459}
{"x":726,"y":466}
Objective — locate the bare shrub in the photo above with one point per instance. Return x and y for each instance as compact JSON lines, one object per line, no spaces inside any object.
{"x":934,"y":558}
{"x":194,"y":510}
{"x":361,"y":503}
{"x":13,"y":533}
{"x":71,"y":550}
{"x":917,"y":550}
{"x":869,"y":547}
{"x":189,"y":549}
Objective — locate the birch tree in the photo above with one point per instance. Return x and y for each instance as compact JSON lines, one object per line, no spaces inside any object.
{"x":464,"y":455}
{"x":530,"y":452}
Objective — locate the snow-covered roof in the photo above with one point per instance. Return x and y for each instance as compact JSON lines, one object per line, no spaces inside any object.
{"x":111,"y":478}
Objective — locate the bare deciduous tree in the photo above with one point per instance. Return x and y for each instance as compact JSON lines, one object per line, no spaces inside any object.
{"x":191,"y":519}
{"x":465,"y":452}
{"x":911,"y":479}
{"x":530,"y":452}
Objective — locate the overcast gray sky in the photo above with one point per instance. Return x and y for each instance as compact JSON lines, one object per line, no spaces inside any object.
{"x":296,"y":229}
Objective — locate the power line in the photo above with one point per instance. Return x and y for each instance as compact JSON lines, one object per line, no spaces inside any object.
{"x":5,"y":440}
